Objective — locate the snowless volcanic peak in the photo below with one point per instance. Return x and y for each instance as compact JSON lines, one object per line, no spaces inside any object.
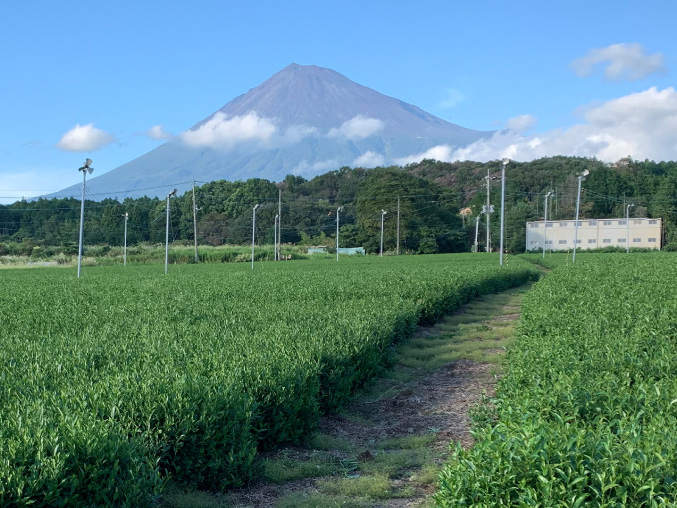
{"x":303,"y":120}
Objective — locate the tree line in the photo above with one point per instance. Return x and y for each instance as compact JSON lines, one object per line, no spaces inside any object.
{"x":438,"y":205}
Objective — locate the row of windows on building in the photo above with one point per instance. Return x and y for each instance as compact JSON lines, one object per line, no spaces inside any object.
{"x":594,"y":223}
{"x":594,"y":240}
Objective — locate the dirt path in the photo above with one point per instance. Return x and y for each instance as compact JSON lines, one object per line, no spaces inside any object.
{"x":385,"y":449}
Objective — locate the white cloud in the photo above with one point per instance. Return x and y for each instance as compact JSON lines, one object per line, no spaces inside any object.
{"x":620,"y":61}
{"x":369,"y":159}
{"x":84,"y":138}
{"x":641,"y":125}
{"x":221,"y":131}
{"x":439,"y":153}
{"x":157,"y":132}
{"x":453,"y":98}
{"x":521,"y":123}
{"x":358,"y":127}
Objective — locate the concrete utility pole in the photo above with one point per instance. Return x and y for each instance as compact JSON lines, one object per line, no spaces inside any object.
{"x":504,"y":163}
{"x":124,"y":257}
{"x":580,"y":177}
{"x":545,"y":233}
{"x":173,"y":193}
{"x":279,"y":222}
{"x":195,"y":209}
{"x":398,"y":225}
{"x":627,"y":225}
{"x":383,"y":213}
{"x":477,"y":230}
{"x":253,"y":232}
{"x":275,"y":238}
{"x":488,"y":209}
{"x":338,"y":211}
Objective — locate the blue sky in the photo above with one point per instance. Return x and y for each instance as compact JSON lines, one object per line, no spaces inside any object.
{"x":102,"y":80}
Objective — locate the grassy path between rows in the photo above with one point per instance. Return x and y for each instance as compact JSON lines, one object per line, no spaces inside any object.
{"x":386,"y":448}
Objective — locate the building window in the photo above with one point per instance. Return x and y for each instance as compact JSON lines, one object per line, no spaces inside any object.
{"x":579,"y":241}
{"x":653,"y":221}
{"x":622,"y":223}
{"x":636,"y":240}
{"x":563,"y":224}
{"x":533,"y":225}
{"x":636,"y":221}
{"x":592,"y":240}
{"x":652,"y":240}
{"x":534,"y":242}
{"x":621,"y":240}
{"x":607,"y":223}
{"x":550,"y":224}
{"x":562,"y":242}
{"x":606,"y":240}
{"x":548,"y":242}
{"x":592,"y":223}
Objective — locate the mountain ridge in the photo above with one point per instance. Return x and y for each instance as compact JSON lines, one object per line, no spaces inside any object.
{"x":302,"y":120}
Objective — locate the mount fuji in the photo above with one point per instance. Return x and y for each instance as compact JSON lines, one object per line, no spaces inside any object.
{"x":304,"y":120}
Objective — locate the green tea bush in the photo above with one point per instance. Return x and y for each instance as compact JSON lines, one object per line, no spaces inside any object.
{"x":116,"y":381}
{"x":587,"y":412}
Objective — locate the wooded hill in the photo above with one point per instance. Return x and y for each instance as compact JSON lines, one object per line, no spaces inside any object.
{"x":431,"y":196}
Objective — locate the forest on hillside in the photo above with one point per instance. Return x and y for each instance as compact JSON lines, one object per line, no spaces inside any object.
{"x":438,"y":206}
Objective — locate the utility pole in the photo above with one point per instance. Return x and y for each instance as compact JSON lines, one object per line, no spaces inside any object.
{"x":383,"y":213}
{"x":197,"y":259}
{"x":488,"y":209}
{"x":504,"y":163}
{"x":275,"y":239}
{"x":398,"y":225}
{"x":279,"y":222}
{"x":338,"y":211}
{"x":545,"y":233}
{"x":173,"y":193}
{"x":253,"y":232}
{"x":627,"y":225}
{"x":124,"y":257}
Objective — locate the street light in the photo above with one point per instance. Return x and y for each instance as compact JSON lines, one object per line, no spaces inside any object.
{"x":86,"y":168}
{"x":627,"y":225}
{"x":504,"y":163}
{"x":580,"y":177}
{"x":253,"y":232}
{"x":275,"y":238}
{"x":124,"y":257}
{"x":383,"y":213}
{"x":338,"y":211}
{"x":173,"y":193}
{"x":545,"y":234}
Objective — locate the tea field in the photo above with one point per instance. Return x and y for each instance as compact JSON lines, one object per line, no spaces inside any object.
{"x":113,"y":383}
{"x":586,"y":415}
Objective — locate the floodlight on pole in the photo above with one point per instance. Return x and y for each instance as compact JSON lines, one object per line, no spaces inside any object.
{"x":253,"y":231}
{"x":627,"y":225}
{"x":545,"y":233}
{"x":504,"y":163}
{"x":383,"y":213}
{"x":580,"y":177}
{"x":338,"y":211}
{"x":86,"y":168}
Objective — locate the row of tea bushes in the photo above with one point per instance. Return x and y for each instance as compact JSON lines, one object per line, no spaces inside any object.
{"x":587,"y":413}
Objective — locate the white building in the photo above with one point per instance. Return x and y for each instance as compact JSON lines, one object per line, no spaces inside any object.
{"x":594,"y":234}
